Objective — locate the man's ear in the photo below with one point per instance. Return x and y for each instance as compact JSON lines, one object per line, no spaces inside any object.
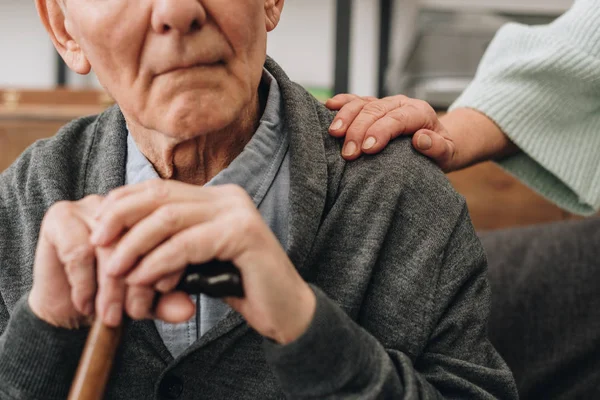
{"x":273,"y":10}
{"x":54,"y":17}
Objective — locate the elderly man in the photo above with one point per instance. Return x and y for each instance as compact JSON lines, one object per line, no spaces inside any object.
{"x":356,"y":284}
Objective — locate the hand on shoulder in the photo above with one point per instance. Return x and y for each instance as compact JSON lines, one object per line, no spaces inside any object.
{"x":454,"y":141}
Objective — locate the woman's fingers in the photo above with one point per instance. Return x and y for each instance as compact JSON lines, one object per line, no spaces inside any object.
{"x":340,"y":100}
{"x":346,"y":116}
{"x":433,"y":145}
{"x":369,"y":125}
{"x":357,"y":117}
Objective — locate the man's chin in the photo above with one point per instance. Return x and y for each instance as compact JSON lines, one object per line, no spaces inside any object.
{"x":185,"y":127}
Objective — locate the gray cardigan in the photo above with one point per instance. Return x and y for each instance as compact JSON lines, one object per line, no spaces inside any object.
{"x":387,"y":245}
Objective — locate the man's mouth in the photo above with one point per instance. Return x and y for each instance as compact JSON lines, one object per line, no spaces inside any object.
{"x":191,"y":66}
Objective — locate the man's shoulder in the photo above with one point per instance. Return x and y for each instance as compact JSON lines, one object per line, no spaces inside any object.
{"x":404,"y":172}
{"x":401,"y":173}
{"x":403,"y":192}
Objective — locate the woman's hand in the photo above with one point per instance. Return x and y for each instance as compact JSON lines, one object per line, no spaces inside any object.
{"x":369,"y":124}
{"x":166,"y":225}
{"x":457,"y":140}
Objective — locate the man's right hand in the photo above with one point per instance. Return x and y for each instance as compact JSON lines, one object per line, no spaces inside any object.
{"x":65,"y":262}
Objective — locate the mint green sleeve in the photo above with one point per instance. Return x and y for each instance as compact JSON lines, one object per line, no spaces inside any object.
{"x":541,"y":85}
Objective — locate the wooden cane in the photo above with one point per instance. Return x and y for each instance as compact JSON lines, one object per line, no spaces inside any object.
{"x":96,"y":362}
{"x":215,"y":279}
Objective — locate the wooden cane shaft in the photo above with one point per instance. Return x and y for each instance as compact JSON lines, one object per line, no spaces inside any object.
{"x":96,"y":362}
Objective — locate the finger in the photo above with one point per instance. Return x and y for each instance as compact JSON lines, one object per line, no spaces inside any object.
{"x":163,"y":223}
{"x":196,"y":245}
{"x":340,"y":100}
{"x":81,"y":274}
{"x":345,"y":116}
{"x":434,"y":146}
{"x":350,"y":108}
{"x":111,"y":292}
{"x":69,"y":235}
{"x":87,"y":208}
{"x":120,"y":193}
{"x":169,"y":283}
{"x":405,"y":120}
{"x":370,"y":114}
{"x":139,"y":302}
{"x":125,"y":210}
{"x":175,"y":307}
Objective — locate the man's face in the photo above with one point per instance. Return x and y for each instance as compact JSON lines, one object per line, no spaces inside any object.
{"x":180,"y":67}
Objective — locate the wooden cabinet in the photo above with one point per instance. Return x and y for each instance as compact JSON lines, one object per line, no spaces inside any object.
{"x":29,"y":115}
{"x":495,"y":199}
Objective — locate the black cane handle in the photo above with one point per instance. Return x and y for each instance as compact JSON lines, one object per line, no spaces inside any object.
{"x":215,"y":279}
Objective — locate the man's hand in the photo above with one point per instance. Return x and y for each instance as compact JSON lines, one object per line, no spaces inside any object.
{"x":166,"y":225}
{"x":456,"y":140}
{"x":64,"y":273}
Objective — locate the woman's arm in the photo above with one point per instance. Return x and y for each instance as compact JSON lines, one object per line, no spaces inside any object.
{"x":461,"y":138}
{"x":476,"y":138}
{"x":539,"y":85}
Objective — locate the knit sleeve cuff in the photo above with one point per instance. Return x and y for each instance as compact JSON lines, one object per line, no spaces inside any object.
{"x":329,"y":355}
{"x":551,"y":162}
{"x":37,"y":360}
{"x":538,"y":87}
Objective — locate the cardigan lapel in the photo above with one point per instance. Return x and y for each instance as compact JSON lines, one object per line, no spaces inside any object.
{"x":308,"y":167}
{"x":107,"y":155}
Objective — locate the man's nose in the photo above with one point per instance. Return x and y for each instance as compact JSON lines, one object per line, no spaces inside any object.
{"x":182,"y":16}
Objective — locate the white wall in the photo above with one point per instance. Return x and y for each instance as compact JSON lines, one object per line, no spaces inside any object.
{"x":26,"y":54}
{"x":303,"y":44}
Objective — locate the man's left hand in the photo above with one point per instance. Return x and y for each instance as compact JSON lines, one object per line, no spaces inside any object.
{"x":159,"y":227}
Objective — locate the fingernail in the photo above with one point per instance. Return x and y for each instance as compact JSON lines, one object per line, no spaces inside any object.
{"x":349,"y":149}
{"x":113,"y":314}
{"x":424,"y":142}
{"x":337,"y":124}
{"x":369,"y":143}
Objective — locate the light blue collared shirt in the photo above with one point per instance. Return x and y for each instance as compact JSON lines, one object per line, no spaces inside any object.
{"x":262,"y":169}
